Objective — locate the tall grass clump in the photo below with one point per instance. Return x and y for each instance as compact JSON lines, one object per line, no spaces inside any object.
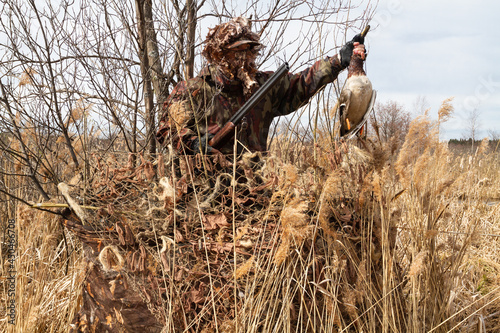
{"x":442,"y":213}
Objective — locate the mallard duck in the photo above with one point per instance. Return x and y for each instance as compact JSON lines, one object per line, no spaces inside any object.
{"x":356,"y":99}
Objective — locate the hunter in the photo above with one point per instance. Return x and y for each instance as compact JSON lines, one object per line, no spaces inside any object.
{"x":197,"y":108}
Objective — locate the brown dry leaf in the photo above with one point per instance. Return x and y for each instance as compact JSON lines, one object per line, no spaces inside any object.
{"x":244,"y":201}
{"x":345,"y":218}
{"x":182,"y":186}
{"x":179,"y":274}
{"x":178,"y":236}
{"x":161,"y":166}
{"x":221,"y":248}
{"x":149,"y":171}
{"x":212,"y":222}
{"x":197,"y":296}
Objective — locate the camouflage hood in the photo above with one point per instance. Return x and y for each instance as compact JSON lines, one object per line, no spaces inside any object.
{"x":233,"y":48}
{"x":229,"y":36}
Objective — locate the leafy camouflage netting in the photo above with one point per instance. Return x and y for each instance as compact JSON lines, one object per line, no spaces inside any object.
{"x":195,"y":243}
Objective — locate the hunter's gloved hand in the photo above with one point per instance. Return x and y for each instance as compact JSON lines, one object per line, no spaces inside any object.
{"x":200,"y":144}
{"x":346,"y":50}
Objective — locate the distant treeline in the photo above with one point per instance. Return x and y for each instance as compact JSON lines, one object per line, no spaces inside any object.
{"x":467,"y":145}
{"x":469,"y":142}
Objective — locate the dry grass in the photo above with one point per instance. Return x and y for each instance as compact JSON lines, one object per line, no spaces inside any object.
{"x":346,"y":239}
{"x":49,"y":274}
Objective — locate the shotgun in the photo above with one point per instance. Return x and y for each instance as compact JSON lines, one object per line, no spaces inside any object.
{"x":220,"y":137}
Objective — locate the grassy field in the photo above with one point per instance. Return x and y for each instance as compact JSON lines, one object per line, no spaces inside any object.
{"x":358,"y":238}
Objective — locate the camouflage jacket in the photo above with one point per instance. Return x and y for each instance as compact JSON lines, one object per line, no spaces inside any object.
{"x":205,"y":103}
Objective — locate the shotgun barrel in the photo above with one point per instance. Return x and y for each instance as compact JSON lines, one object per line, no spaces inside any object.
{"x":365,"y":30}
{"x":221,"y":136}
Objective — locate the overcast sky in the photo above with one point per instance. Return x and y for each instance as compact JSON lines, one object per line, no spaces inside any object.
{"x":439,"y":49}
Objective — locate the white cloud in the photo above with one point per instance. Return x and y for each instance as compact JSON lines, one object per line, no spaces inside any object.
{"x":438,"y":49}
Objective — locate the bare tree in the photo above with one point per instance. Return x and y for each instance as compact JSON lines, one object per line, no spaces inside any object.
{"x":472,"y":126}
{"x":391,"y":123}
{"x":420,"y":105}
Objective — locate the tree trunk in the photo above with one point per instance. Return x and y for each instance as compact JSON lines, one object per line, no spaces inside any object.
{"x":146,"y":70}
{"x":191,"y":36}
{"x":155,"y":66}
